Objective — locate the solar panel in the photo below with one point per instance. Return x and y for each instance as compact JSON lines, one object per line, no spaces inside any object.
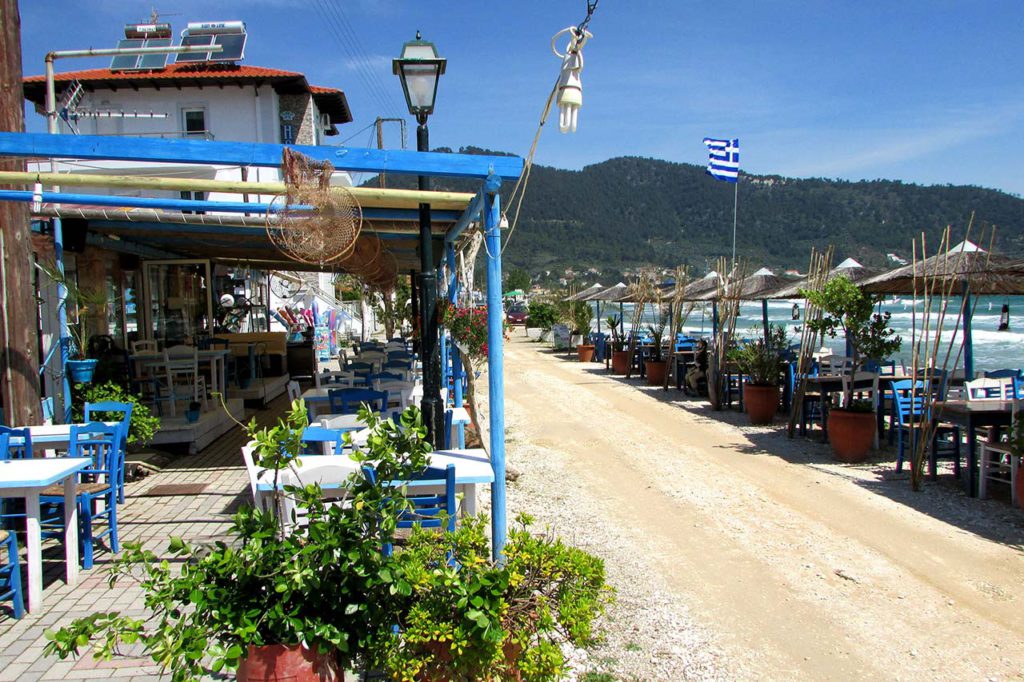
{"x":155,"y":61}
{"x":233,"y":45}
{"x":126,"y":62}
{"x":195,"y":56}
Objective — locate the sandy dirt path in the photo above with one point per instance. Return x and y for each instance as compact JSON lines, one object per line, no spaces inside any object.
{"x":796,"y":567}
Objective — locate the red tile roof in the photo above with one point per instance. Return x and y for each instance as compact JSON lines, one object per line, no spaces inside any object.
{"x":329,"y":100}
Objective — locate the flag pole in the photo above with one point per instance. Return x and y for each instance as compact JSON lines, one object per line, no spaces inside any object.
{"x":735,"y":204}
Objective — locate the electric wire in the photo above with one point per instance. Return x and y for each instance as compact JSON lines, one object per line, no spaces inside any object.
{"x":365,"y":58}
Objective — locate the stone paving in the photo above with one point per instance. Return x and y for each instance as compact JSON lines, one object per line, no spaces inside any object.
{"x":156,"y":507}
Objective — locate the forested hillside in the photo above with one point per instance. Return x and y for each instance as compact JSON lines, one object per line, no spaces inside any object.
{"x":630,"y":212}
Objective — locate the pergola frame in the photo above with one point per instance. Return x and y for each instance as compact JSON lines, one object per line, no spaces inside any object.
{"x":385,"y":218}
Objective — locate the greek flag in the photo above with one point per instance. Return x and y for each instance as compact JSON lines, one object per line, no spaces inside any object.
{"x":723,"y":159}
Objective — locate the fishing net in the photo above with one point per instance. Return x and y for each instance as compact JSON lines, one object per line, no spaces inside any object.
{"x":317,"y":224}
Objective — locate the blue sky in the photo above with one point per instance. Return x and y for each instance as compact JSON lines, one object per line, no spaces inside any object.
{"x":926,"y":91}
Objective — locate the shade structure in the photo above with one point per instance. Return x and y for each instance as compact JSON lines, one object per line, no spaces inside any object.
{"x":752,"y":288}
{"x":966,"y":263}
{"x":612,"y":293}
{"x":964,"y":270}
{"x":849,"y":268}
{"x":697,"y":289}
{"x":586,"y":293}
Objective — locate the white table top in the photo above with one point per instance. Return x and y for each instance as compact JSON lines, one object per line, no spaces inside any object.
{"x":39,"y":473}
{"x":332,"y":471}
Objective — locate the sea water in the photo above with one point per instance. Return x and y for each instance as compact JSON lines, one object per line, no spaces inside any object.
{"x":993,"y":349}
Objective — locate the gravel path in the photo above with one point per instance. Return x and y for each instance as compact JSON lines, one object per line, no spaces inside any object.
{"x":740,"y":554}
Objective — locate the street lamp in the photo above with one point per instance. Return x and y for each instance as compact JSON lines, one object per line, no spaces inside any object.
{"x":419,"y":69}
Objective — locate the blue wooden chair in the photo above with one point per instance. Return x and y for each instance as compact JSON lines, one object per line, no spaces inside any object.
{"x":436,"y":510}
{"x":382,"y":376}
{"x":348,"y":400}
{"x":911,"y":413}
{"x":46,"y":407}
{"x":102,"y":444}
{"x":359,"y":367}
{"x":313,"y":438}
{"x":14,"y":444}
{"x":109,"y":411}
{"x":400,"y":355}
{"x":10,"y":574}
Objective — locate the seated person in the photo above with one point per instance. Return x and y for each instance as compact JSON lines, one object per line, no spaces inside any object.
{"x":697,"y":374}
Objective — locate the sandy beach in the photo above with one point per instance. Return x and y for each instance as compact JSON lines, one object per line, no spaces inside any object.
{"x":738,"y":553}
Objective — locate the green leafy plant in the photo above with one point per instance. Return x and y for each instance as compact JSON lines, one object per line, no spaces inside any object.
{"x":144,"y":423}
{"x":326,"y":583}
{"x":848,"y":309}
{"x":615,"y":325}
{"x":657,"y":331}
{"x":762,"y":359}
{"x":82,"y":305}
{"x":468,"y":618}
{"x":541,"y":314}
{"x":582,"y":315}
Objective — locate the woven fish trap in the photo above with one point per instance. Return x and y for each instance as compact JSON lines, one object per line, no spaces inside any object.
{"x":362,"y":259}
{"x":316,"y":224}
{"x":387,"y":272}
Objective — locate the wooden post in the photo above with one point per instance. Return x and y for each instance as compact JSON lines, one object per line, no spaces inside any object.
{"x":19,"y":337}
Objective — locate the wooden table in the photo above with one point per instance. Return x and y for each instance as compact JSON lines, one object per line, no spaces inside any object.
{"x":975,"y":414}
{"x":26,"y":478}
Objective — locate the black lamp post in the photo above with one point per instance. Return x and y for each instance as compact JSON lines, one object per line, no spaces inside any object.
{"x":420,"y":68}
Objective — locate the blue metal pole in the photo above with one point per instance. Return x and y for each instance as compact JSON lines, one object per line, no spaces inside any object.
{"x":62,"y":320}
{"x":764,"y":316}
{"x":968,"y":342}
{"x":714,"y":318}
{"x":454,"y":353}
{"x":496,"y":363}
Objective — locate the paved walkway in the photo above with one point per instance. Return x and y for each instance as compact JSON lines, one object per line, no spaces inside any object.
{"x":194,"y":497}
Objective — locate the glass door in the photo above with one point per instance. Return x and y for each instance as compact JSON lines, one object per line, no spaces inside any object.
{"x":178,"y":307}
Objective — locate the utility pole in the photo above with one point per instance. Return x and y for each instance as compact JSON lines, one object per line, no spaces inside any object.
{"x":19,"y":337}
{"x":380,"y":145}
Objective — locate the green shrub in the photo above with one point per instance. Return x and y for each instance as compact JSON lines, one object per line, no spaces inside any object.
{"x":541,"y":315}
{"x":144,"y":424}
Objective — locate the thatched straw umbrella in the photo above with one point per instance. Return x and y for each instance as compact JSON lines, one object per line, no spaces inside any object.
{"x":966,"y":269}
{"x":582,"y":295}
{"x":754,"y":287}
{"x":613,"y":293}
{"x":849,"y":268}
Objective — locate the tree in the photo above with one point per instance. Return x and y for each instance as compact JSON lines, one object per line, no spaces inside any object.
{"x":517,"y":278}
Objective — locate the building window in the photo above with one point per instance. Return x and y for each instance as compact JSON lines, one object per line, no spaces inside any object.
{"x":287,"y":133}
{"x":193,"y":196}
{"x":195,"y":122}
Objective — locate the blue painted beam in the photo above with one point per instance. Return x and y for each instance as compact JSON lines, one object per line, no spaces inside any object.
{"x":353,"y":159}
{"x":496,"y":371}
{"x":471,"y":213}
{"x":207,"y":206}
{"x":968,"y":312}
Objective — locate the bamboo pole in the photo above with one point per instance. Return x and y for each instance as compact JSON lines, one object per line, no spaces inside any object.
{"x":817,"y":275}
{"x":368,"y":197}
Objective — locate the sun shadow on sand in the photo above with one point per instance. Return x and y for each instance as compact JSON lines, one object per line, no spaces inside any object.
{"x":944,"y":499}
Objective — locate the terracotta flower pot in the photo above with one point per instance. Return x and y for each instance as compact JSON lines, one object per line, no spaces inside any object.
{"x":655,"y":372}
{"x":851,"y":434}
{"x":585,"y":351}
{"x":293,"y":663}
{"x":761,"y":402}
{"x":620,"y":361}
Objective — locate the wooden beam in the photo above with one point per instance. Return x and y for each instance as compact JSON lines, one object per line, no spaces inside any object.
{"x":368,"y":197}
{"x":256,"y":154}
{"x":19,"y":340}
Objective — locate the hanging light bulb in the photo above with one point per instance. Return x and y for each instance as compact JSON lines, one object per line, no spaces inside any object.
{"x":570,"y":85}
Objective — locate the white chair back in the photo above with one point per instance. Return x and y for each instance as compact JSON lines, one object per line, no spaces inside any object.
{"x":250,"y":468}
{"x":832,"y":365}
{"x":144,"y":346}
{"x":989,"y":389}
{"x":294,"y":391}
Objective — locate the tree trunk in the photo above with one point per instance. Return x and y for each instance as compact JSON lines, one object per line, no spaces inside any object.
{"x":19,"y":336}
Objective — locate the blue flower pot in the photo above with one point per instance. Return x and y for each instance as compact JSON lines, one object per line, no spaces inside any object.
{"x":82,"y":371}
{"x":191,"y":416}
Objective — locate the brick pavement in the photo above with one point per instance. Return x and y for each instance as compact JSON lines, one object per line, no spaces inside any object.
{"x":145,"y":518}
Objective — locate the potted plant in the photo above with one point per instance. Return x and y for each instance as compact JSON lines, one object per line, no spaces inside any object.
{"x":192,"y":413}
{"x":271,"y":601}
{"x":469,"y":618}
{"x":848,"y":309}
{"x":82,"y":305}
{"x":582,"y":315}
{"x":620,"y":356}
{"x":761,"y":362}
{"x":655,"y":363}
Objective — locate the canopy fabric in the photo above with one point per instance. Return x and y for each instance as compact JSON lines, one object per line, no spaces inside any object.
{"x":965,"y":263}
{"x":514,"y":292}
{"x":585,"y":293}
{"x":849,"y":268}
{"x":612,"y":293}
